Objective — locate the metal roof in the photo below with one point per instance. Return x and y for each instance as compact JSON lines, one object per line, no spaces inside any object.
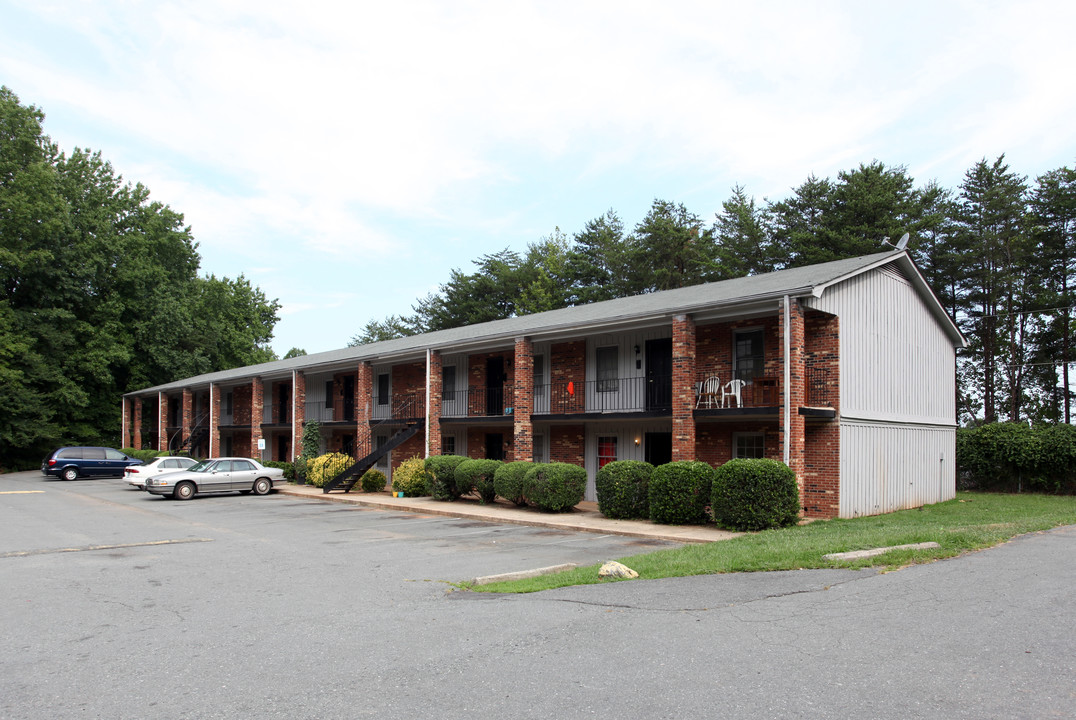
{"x":711,"y":297}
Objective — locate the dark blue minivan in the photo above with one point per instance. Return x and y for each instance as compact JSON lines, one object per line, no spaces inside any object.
{"x":71,"y":463}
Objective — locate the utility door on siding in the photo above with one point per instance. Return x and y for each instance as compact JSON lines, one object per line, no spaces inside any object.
{"x":659,"y":374}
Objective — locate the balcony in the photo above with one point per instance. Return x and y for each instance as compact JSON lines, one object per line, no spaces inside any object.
{"x":619,"y":395}
{"x":317,"y":411}
{"x":400,"y":406}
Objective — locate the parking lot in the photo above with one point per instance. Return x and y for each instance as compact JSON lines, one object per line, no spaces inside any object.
{"x":118,"y":604}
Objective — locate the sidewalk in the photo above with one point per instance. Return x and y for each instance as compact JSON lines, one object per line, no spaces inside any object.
{"x":584,"y":518}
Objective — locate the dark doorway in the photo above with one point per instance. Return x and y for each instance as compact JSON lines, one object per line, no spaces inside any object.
{"x":495,"y":378}
{"x":283,"y":402}
{"x":282,"y":448}
{"x":659,"y":374}
{"x":349,"y":398}
{"x":347,"y":445}
{"x":658,"y":448}
{"x":494,"y":446}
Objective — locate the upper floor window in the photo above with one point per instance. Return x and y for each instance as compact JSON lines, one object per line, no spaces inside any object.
{"x":383,"y":389}
{"x":606,"y":358}
{"x":748,"y":357}
{"x":539,"y":375}
{"x":328,"y":393}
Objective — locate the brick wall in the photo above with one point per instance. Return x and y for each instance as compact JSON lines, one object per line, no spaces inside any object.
{"x":523,"y":401}
{"x":433,"y":410}
{"x":683,"y":388}
{"x":714,"y":350}
{"x":797,"y":371}
{"x":187,"y":413}
{"x":257,"y":409}
{"x":214,"y":420}
{"x":136,"y":424}
{"x":567,"y":443}
{"x":713,"y":441}
{"x":364,"y":392}
{"x":298,"y":413}
{"x":568,"y":363}
{"x":162,"y":421}
{"x":820,"y":493}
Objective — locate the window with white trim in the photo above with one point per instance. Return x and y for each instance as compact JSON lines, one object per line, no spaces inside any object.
{"x":606,"y":450}
{"x":606,"y":359}
{"x":747,"y":354}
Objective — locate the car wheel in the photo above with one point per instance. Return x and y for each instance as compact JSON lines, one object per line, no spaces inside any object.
{"x":262,"y":486}
{"x":183,"y":491}
{"x":69,"y":474}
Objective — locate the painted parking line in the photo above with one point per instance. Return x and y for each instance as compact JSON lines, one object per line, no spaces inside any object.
{"x":86,"y":548}
{"x":20,"y":492}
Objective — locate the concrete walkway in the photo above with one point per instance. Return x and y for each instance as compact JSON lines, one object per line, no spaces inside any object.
{"x":583,"y":518}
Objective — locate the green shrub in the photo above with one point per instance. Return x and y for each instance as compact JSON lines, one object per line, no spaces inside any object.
{"x":373,"y":480}
{"x":411,"y":478}
{"x":622,"y":487}
{"x":679,"y":492}
{"x":287,"y":467}
{"x":479,"y":474}
{"x":555,"y":487}
{"x":441,"y":470}
{"x":755,"y":495}
{"x":998,"y":456}
{"x":325,"y":467}
{"x":311,"y":448}
{"x":509,"y":481}
{"x":1057,"y":452}
{"x":143,"y":455}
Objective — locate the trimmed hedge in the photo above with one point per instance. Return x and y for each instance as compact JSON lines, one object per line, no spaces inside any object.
{"x":287,"y":467}
{"x":144,"y":455}
{"x":555,"y":487}
{"x":1013,"y":457}
{"x":680,"y":492}
{"x":411,"y":478}
{"x":325,"y":467}
{"x":755,"y":495}
{"x":441,"y":470}
{"x":373,"y":480}
{"x":478,"y":475}
{"x":509,"y":481}
{"x":623,"y":489}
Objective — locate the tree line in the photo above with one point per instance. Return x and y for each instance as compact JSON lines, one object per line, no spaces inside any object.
{"x":100,"y":294}
{"x":999,"y":252}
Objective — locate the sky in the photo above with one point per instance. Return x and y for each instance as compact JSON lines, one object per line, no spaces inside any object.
{"x":346,"y":156}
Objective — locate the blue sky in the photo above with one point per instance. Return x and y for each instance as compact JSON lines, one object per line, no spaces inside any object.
{"x":346,"y":156}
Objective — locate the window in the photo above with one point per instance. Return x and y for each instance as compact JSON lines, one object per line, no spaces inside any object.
{"x":539,"y":375}
{"x":328,"y":393}
{"x":448,"y":443}
{"x":383,"y":389}
{"x":748,"y":445}
{"x":228,"y":403}
{"x":607,"y":369}
{"x":241,"y":465}
{"x":606,"y":450}
{"x":748,"y":356}
{"x":448,"y":384}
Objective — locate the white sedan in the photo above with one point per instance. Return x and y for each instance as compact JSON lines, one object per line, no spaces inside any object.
{"x":138,"y":474}
{"x":217,"y":475}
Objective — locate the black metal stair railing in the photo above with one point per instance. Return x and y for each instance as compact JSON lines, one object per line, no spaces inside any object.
{"x":351,"y":474}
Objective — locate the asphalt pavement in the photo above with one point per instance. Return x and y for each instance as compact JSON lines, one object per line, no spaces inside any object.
{"x":116,"y":604}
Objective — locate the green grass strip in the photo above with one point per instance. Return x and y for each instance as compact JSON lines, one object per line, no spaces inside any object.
{"x":972,"y":521}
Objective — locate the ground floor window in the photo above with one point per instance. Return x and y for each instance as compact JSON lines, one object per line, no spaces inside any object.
{"x":606,"y":450}
{"x":448,"y":444}
{"x":539,"y":451}
{"x":748,"y":445}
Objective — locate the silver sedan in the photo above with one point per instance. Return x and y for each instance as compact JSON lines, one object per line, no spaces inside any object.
{"x":217,"y":475}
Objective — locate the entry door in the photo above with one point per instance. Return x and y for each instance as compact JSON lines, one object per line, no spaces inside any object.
{"x":494,"y":446}
{"x":659,"y":374}
{"x":349,"y":398}
{"x":658,"y":448}
{"x":495,"y":378}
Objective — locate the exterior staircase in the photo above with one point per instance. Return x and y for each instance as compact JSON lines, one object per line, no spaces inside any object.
{"x":347,"y":478}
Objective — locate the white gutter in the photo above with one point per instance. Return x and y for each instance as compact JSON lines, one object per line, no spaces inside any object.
{"x":787,"y":450}
{"x":294,"y":397}
{"x":429,"y":358}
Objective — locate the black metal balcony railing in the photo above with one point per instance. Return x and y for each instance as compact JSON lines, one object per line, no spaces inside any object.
{"x":400,"y":406}
{"x":635,"y":394}
{"x":818,"y":387}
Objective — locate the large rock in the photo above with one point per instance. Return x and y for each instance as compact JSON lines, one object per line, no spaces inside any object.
{"x":613,"y":569}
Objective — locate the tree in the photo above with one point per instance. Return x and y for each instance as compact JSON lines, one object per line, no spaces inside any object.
{"x":392,"y":327}
{"x":744,"y":242}
{"x":596,"y":260}
{"x":545,"y":281}
{"x":668,"y":249}
{"x":294,"y":353}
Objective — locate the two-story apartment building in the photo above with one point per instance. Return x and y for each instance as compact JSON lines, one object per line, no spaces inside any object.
{"x":844,"y":370}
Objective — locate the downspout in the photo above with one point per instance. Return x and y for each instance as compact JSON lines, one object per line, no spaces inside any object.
{"x":429,"y":357}
{"x":123,"y":422}
{"x":294,"y":397}
{"x":212,"y":424}
{"x":787,"y":450}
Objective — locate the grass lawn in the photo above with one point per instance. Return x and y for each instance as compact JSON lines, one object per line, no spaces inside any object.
{"x":970,"y":522}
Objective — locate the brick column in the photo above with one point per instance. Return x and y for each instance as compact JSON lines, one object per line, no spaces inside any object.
{"x":435,"y":382}
{"x":214,"y":420}
{"x":125,"y":422}
{"x":162,"y":421}
{"x":298,"y":412}
{"x":683,"y":388}
{"x":523,"y":401}
{"x":794,"y":396}
{"x":364,"y":393}
{"x":187,"y":413}
{"x":257,"y":416}
{"x":136,"y":424}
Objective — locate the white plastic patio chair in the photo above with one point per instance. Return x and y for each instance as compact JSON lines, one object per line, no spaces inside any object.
{"x":732,"y":389}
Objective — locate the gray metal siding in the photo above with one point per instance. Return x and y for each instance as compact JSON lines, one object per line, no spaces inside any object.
{"x":896,"y":361}
{"x":887,"y":467}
